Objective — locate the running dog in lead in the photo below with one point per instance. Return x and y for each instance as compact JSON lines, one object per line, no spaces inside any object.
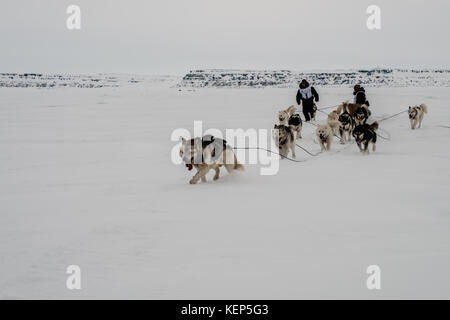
{"x":208,"y":153}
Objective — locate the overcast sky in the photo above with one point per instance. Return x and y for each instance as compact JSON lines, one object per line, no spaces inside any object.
{"x":174,"y":36}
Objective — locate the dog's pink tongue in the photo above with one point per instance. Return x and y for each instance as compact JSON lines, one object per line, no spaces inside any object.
{"x":189,"y":166}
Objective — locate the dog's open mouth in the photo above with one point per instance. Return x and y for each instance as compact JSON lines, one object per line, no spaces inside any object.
{"x":189,"y":166}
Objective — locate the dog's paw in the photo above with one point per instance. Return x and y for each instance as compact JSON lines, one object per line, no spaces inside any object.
{"x":192,"y":181}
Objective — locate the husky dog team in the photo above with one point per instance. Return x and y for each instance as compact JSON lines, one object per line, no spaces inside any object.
{"x":347,"y":121}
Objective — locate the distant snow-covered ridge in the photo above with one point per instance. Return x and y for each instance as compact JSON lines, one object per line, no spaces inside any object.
{"x":286,"y":78}
{"x":216,"y":78}
{"x":37,"y":80}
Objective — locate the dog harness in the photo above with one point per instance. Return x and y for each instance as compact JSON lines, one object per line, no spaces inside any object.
{"x":205,"y":142}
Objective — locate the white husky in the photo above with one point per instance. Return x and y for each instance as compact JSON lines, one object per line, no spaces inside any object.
{"x":284,"y":115}
{"x":416,"y":115}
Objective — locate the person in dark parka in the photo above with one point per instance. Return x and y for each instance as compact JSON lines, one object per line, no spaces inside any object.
{"x":360,"y":95}
{"x":306,"y":94}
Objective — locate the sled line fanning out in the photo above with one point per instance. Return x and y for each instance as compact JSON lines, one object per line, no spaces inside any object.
{"x":316,"y":154}
{"x":388,"y":138}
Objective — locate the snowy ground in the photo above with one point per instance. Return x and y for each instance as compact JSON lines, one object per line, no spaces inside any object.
{"x":86,"y":179}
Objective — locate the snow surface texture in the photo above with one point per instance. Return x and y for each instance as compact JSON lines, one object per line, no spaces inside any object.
{"x":86,"y":179}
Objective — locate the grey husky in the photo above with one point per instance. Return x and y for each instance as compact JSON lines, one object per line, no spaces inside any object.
{"x":284,"y":139}
{"x":208,"y":153}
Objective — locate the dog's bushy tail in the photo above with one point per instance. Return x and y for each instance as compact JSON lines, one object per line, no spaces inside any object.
{"x":237,"y":165}
{"x":291,"y":110}
{"x":375,"y":126}
{"x":334,"y":125}
{"x":424,"y":107}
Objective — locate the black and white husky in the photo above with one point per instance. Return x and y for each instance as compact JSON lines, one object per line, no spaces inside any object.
{"x":314,"y":112}
{"x":365,"y":134}
{"x":361,"y":115}
{"x":295,"y":124}
{"x":346,"y":127}
{"x":208,"y":153}
{"x":416,"y":115}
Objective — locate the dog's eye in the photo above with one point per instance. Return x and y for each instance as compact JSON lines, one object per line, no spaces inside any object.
{"x":181,"y":153}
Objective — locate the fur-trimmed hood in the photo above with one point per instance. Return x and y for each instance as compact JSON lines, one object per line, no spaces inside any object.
{"x":304,"y":84}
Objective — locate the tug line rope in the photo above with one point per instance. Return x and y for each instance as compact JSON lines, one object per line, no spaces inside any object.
{"x":388,"y":138}
{"x":392,"y":116}
{"x":322,"y":111}
{"x":326,"y":108}
{"x":307,"y":151}
{"x":264,"y":149}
